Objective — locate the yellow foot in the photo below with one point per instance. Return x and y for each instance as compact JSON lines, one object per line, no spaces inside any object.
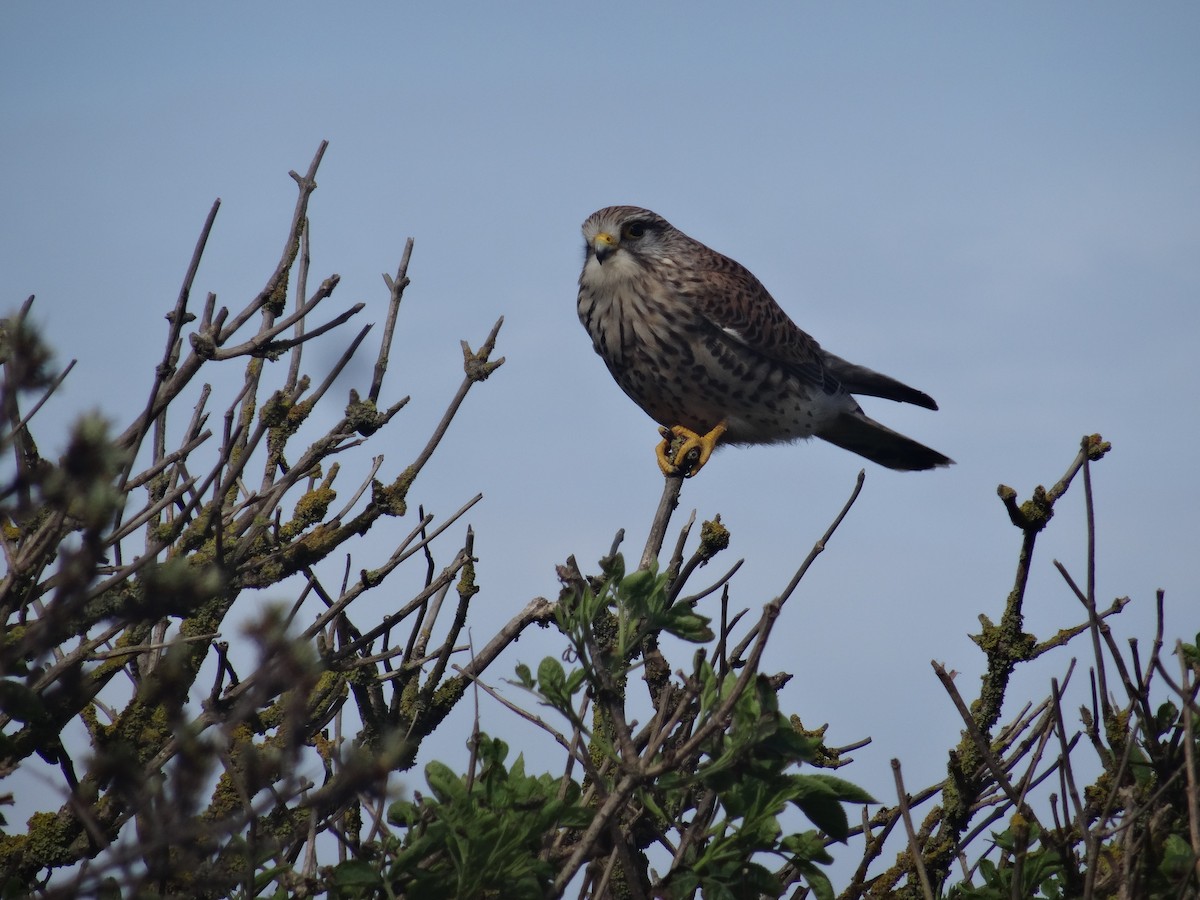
{"x":704,"y":444}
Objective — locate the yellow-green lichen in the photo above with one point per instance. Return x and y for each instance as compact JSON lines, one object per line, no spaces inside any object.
{"x":714,"y":537}
{"x":390,"y":499}
{"x":310,"y":509}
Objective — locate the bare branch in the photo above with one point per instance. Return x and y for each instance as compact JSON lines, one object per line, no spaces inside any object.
{"x":396,"y":288}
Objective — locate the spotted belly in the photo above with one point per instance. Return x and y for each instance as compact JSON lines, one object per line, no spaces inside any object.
{"x":681,"y":370}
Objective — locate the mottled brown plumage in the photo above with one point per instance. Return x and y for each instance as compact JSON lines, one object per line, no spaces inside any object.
{"x":700,"y":345}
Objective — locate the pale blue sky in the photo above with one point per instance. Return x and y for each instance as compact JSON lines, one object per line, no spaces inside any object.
{"x":997,"y":203}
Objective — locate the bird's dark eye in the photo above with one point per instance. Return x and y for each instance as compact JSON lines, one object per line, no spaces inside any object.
{"x":634,"y":230}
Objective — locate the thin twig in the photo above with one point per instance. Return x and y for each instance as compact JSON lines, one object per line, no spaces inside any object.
{"x":477,"y":368}
{"x":177,"y":319}
{"x":662,"y":517}
{"x":396,"y":288}
{"x":913,"y":846}
{"x":54,"y":385}
{"x":302,"y":264}
{"x":817,"y":549}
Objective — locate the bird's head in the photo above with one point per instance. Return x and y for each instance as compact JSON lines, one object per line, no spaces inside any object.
{"x":624,"y":240}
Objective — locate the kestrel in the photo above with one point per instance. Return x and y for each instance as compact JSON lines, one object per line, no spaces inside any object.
{"x":701,"y":346}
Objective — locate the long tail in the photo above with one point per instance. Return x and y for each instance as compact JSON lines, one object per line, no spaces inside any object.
{"x":858,"y":433}
{"x":861,"y":380}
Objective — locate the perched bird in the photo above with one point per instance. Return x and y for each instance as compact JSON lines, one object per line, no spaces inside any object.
{"x":697,"y":342}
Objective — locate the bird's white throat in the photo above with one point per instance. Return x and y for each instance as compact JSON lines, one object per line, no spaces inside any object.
{"x":614,"y":271}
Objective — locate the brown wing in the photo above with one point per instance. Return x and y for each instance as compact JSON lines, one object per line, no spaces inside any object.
{"x":736,"y":302}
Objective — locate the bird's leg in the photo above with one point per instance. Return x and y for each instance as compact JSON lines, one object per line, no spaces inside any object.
{"x":703,"y":443}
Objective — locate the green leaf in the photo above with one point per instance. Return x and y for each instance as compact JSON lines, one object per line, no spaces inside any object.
{"x":517,"y":772}
{"x":355,"y":873}
{"x":760,"y":881}
{"x":575,"y":681}
{"x":684,"y":623}
{"x":492,"y":751}
{"x":446,"y":786}
{"x":575,"y":817}
{"x":1191,"y":652}
{"x":827,"y":815}
{"x":817,"y":880}
{"x":807,"y":846}
{"x":842,"y":789}
{"x":524,"y":676}
{"x":551,"y":677}
{"x":710,"y":687}
{"x":1140,"y":766}
{"x":1177,"y":858}
{"x":682,"y":882}
{"x":1165,"y":717}
{"x":635,"y":589}
{"x":615,"y":569}
{"x":403,"y":813}
{"x":819,"y":801}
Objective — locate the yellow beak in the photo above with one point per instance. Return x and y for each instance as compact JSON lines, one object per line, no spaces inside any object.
{"x":605,"y":245}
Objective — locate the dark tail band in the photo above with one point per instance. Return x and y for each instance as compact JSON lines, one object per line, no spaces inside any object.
{"x":860,"y":434}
